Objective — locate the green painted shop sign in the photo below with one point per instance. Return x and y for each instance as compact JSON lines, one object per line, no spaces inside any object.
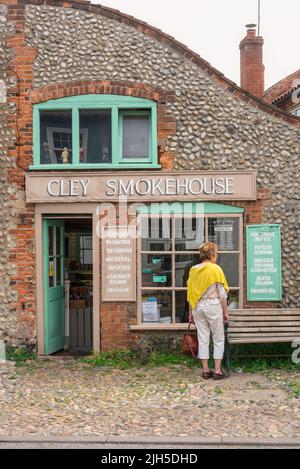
{"x":264,"y":278}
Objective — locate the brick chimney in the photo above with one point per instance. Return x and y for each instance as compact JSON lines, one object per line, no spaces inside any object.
{"x":252,"y":67}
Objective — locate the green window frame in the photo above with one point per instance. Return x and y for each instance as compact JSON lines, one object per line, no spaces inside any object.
{"x":119,"y":106}
{"x":139,"y":113}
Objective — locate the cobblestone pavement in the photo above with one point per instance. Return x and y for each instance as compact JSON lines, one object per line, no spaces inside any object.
{"x":67,"y":397}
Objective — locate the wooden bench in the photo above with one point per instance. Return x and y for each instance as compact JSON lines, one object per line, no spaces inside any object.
{"x":262,"y":326}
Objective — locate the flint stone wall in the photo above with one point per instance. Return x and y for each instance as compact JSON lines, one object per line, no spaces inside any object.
{"x":215,"y":130}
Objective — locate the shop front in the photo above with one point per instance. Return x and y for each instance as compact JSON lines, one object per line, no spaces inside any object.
{"x":122,"y":151}
{"x":109,"y":241}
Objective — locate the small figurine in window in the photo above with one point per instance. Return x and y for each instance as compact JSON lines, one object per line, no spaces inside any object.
{"x":105,"y":155}
{"x":65,"y":156}
{"x":45,"y":154}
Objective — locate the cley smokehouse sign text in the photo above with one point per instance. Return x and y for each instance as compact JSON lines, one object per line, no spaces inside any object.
{"x":140,"y":186}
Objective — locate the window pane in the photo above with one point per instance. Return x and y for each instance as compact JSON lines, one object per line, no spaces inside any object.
{"x":233,"y":299}
{"x":136,"y":136}
{"x":156,"y":270}
{"x":230,"y":265}
{"x":181,"y":307}
{"x":189,"y":233}
{"x":157,"y":306}
{"x":86,"y":257}
{"x":86,"y":242}
{"x":56,"y":137}
{"x":86,"y":252}
{"x":95,"y":136}
{"x":183,"y":265}
{"x":156,"y":234}
{"x":224,"y":232}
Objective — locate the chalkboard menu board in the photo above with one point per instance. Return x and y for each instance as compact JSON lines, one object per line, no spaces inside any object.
{"x":118,"y":263}
{"x":264,"y":279}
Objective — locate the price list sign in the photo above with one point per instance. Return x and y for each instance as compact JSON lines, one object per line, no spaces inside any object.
{"x":118,"y":263}
{"x":264,"y":277}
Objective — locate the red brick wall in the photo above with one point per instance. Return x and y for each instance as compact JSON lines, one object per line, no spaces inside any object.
{"x":22,"y":255}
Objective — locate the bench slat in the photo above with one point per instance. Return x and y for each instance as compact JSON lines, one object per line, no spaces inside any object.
{"x":296,"y":315}
{"x":295,"y":319}
{"x":265,"y":329}
{"x":256,"y":334}
{"x":249,"y":312}
{"x":277,"y":324}
{"x":264,"y":340}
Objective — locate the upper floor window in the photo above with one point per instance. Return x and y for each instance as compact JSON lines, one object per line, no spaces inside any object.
{"x":95,"y":131}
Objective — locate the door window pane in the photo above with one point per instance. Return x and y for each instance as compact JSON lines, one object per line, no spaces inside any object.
{"x":51,"y":272}
{"x":156,"y":270}
{"x":230,"y":266}
{"x":50,"y":240}
{"x":95,"y":136}
{"x":55,"y":137}
{"x":136,"y":136}
{"x":189,"y":233}
{"x":58,"y":271}
{"x":183,"y":265}
{"x":224,"y":232}
{"x":58,"y":241}
{"x":157,"y":306}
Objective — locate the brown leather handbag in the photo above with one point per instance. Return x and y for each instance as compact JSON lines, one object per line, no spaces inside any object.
{"x":190,"y":343}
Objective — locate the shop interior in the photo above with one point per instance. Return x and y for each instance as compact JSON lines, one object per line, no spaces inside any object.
{"x":79,"y":284}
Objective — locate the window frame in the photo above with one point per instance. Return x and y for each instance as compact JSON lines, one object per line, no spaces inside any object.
{"x":122,"y":114}
{"x":173,"y":289}
{"x":296,"y":111}
{"x":78,"y":247}
{"x":118,"y":105}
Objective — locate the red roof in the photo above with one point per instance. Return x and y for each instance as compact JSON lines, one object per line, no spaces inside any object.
{"x":283,"y":88}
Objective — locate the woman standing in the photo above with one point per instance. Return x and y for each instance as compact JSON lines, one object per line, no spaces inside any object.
{"x":207,"y":297}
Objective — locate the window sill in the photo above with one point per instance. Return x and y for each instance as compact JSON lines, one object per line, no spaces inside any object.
{"x":62,"y":168}
{"x":161,"y":327}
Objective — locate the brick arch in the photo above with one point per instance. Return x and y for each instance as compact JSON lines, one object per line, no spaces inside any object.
{"x":75,"y":88}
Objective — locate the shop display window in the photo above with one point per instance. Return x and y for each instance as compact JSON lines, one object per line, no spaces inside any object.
{"x":169,"y":248}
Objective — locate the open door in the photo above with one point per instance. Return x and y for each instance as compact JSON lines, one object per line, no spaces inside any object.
{"x":53,"y":262}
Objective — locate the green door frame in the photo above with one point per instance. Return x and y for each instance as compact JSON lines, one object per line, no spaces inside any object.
{"x":53,"y":280}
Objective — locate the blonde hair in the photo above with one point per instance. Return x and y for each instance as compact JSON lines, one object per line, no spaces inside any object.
{"x":207,"y":251}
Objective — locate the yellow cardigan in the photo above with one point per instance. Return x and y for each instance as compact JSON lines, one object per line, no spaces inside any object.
{"x":201,"y":277}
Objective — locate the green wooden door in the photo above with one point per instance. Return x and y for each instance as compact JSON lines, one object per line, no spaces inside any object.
{"x":54,"y":308}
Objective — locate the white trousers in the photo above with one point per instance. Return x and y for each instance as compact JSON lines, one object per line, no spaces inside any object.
{"x":209,"y":319}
